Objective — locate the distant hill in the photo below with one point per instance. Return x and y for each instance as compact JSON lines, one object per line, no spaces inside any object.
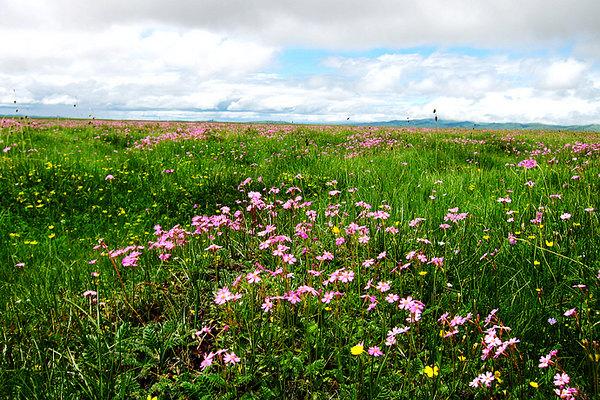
{"x":430,"y":123}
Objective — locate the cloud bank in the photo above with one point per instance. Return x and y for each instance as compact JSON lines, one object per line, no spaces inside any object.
{"x":485,"y":61}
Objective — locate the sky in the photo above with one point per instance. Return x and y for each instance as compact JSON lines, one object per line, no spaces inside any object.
{"x":302,"y":61}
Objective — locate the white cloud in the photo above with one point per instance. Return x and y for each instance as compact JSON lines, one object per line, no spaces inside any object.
{"x":564,"y":74}
{"x":219,"y":59}
{"x":335,"y":23}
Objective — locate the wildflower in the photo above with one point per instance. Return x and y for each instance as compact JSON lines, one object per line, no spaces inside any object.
{"x":327,"y":297}
{"x":566,"y":393}
{"x":213,"y":247}
{"x":431,"y":371}
{"x":223,"y":296}
{"x":346,"y":276}
{"x":565,"y":216}
{"x":534,"y":385}
{"x":231,"y":358}
{"x":253,"y":277}
{"x":416,"y":222}
{"x":289,"y":258}
{"x":292,"y":297}
{"x":546,"y":360}
{"x":392,"y":298}
{"x":528,"y":163}
{"x":358,"y":349}
{"x":267,"y":305}
{"x":552,"y":321}
{"x":340,"y":241}
{"x":570,"y":313}
{"x":437,"y":261}
{"x":327,"y":256}
{"x":109,"y":177}
{"x":482,"y":380}
{"x":208,"y":360}
{"x":90,"y":294}
{"x":375,"y":351}
{"x":561,"y":379}
{"x":383,"y":286}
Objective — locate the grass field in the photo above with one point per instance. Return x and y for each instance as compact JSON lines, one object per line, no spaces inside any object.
{"x":181,"y":260}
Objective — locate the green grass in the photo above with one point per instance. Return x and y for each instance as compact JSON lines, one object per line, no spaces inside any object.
{"x":139,"y":338}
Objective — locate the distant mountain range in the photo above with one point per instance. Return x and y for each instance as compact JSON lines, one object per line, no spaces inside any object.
{"x":415,"y":123}
{"x":431,"y":123}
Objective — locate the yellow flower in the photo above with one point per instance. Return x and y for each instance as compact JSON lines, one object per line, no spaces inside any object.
{"x":431,"y":371}
{"x":422,"y":273}
{"x":151,"y":398}
{"x":462,"y":358}
{"x":536,"y":262}
{"x":497,"y":376}
{"x":549,"y":244}
{"x":335,"y":230}
{"x":486,"y":237}
{"x":358,"y":349}
{"x":534,"y":384}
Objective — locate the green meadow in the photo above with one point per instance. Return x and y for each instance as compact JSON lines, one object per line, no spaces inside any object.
{"x":143,"y":260}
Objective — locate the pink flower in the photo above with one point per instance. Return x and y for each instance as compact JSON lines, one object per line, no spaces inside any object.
{"x":561,"y":379}
{"x":231,"y":358}
{"x":253,"y":277}
{"x":327,"y":256}
{"x":223,"y":296}
{"x":289,"y":258}
{"x":392,"y":298}
{"x":437,"y":261}
{"x":482,"y":380}
{"x":368,"y":263}
{"x":570,"y":313}
{"x":90,"y":294}
{"x":213,"y":247}
{"x":267,"y":305}
{"x":340,"y":241}
{"x":208,"y":360}
{"x":292,"y":297}
{"x":109,"y":177}
{"x":327,"y":297}
{"x":416,"y":222}
{"x":346,"y":276}
{"x":528,"y":163}
{"x":375,"y":351}
{"x":565,"y":216}
{"x":546,"y":360}
{"x":383,"y":286}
